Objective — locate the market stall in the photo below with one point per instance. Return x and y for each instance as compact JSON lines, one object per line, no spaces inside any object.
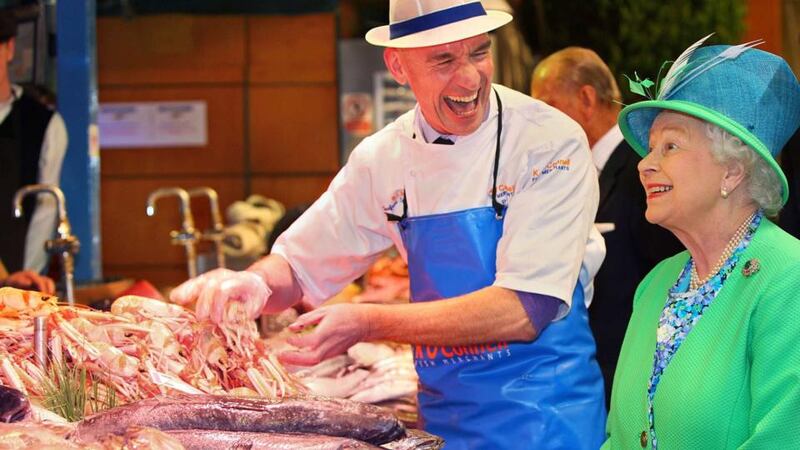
{"x":148,"y":371}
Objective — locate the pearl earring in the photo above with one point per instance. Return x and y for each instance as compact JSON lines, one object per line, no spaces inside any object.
{"x":723,"y":192}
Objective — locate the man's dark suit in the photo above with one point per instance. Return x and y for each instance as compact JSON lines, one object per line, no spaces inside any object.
{"x":790,"y":163}
{"x":632,"y":249}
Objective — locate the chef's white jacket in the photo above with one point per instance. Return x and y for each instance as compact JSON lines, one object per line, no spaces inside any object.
{"x":546,"y":178}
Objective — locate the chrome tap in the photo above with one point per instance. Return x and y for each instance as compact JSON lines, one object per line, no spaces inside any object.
{"x":187,"y":235}
{"x":40,"y":341}
{"x":64,"y":244}
{"x":215,"y":234}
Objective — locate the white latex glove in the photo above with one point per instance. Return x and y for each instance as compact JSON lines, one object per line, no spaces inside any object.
{"x":224,"y":295}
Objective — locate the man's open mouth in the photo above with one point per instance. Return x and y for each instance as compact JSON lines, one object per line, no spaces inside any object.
{"x":463,"y":106}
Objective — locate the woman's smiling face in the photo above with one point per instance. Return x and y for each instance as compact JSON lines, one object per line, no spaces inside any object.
{"x":681,"y":179}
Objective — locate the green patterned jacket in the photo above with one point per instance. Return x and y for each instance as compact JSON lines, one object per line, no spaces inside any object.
{"x":735,"y":380}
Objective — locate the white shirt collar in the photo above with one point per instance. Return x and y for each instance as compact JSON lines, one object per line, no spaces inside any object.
{"x":605,"y":146}
{"x":428,"y":133}
{"x":5,"y":107}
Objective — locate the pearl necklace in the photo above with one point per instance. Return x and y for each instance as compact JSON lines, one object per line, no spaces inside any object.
{"x":694,"y":281}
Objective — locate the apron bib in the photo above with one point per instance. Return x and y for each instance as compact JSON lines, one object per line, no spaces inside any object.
{"x":547,"y":394}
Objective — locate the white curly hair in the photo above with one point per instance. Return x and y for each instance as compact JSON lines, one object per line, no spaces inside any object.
{"x":761,"y":181}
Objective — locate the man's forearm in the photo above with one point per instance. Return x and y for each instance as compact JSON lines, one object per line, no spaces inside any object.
{"x":488,"y":315}
{"x":278,"y":274}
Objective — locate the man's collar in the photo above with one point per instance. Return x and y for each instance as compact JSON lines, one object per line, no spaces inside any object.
{"x":427,"y":132}
{"x":15,"y":92}
{"x":605,"y":146}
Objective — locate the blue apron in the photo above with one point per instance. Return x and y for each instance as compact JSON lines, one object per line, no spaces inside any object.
{"x":546,"y":394}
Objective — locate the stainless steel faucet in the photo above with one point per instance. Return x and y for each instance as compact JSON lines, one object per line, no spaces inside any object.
{"x":187,"y":235}
{"x":215,"y":234}
{"x":65,"y":243}
{"x":40,"y":341}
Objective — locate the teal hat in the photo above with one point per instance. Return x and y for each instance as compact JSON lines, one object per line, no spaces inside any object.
{"x":749,"y":93}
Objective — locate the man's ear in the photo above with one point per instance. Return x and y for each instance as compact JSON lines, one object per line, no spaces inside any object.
{"x":587,"y":97}
{"x":391,"y":57}
{"x":11,"y":46}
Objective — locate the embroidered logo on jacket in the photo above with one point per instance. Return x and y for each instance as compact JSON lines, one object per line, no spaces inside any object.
{"x":397,"y":198}
{"x":559,"y":165}
{"x":504,"y":193}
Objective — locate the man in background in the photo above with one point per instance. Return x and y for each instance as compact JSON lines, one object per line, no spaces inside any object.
{"x":576,"y":81}
{"x":790,"y":163}
{"x":33,"y":141}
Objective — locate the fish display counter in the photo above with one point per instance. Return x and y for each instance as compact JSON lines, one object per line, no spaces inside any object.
{"x":149,"y":371}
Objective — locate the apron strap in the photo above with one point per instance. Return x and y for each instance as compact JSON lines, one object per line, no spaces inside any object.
{"x":499,"y":208}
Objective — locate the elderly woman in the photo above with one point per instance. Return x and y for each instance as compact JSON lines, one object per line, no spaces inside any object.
{"x":711,"y":357}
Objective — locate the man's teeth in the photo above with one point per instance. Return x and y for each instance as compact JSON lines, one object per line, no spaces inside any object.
{"x":660,"y":189}
{"x":471,"y":98}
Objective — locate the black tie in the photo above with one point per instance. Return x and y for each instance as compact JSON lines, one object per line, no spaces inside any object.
{"x":443,"y":140}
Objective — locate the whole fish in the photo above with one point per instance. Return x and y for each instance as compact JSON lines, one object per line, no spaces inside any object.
{"x":14,"y":406}
{"x":229,"y":440}
{"x":332,"y":417}
{"x":416,"y":440}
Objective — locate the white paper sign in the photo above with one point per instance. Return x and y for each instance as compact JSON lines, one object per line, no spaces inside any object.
{"x":153,"y":124}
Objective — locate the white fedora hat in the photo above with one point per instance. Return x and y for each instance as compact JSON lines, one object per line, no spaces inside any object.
{"x":422,"y":23}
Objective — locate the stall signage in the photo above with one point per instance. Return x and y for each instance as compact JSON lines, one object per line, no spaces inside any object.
{"x":153,"y":124}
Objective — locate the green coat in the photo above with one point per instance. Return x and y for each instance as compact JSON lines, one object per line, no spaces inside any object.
{"x":735,"y":380}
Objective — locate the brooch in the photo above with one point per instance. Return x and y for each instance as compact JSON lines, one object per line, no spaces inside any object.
{"x":750,"y":267}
